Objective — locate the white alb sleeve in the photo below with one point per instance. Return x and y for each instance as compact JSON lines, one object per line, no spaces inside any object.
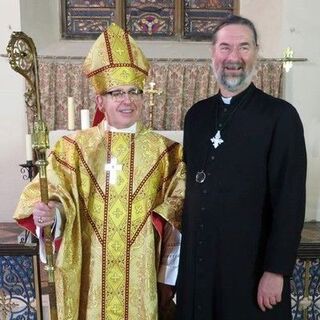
{"x":56,"y":229}
{"x":168,"y":270}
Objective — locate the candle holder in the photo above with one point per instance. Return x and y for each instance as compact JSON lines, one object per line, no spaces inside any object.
{"x":26,"y":237}
{"x":27,"y":170}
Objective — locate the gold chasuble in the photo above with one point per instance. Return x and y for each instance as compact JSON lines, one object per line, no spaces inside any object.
{"x":106,"y":267}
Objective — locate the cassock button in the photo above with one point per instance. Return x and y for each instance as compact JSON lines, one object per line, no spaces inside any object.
{"x":220,"y":125}
{"x":200,"y":259}
{"x":205,"y":191}
{"x":212,"y":157}
{"x":201,"y":226}
{"x":225,"y":109}
{"x":203,"y":208}
{"x":209,"y":173}
{"x":200,"y":242}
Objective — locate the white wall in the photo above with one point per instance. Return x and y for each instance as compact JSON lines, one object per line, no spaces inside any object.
{"x":280,"y":23}
{"x":294,"y":23}
{"x":300,"y":30}
{"x":12,"y":115}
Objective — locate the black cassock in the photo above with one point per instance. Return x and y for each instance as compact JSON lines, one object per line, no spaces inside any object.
{"x":247,"y":216}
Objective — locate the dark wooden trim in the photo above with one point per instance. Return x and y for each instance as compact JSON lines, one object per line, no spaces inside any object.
{"x":8,"y":249}
{"x":37,"y":284}
{"x":236,"y":7}
{"x":179,"y":18}
{"x":63,"y":19}
{"x":309,"y":251}
{"x":120,"y":17}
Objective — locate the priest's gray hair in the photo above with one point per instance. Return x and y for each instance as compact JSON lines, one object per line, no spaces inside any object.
{"x":235,"y":20}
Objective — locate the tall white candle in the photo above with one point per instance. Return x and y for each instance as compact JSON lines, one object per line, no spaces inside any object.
{"x":29,"y":153}
{"x":85,"y":119}
{"x":70,"y":113}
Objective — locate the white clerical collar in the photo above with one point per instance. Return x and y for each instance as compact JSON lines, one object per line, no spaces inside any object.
{"x":226,"y":100}
{"x":131,"y":129}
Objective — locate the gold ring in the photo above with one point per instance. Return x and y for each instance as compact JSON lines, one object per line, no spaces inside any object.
{"x":40,"y":220}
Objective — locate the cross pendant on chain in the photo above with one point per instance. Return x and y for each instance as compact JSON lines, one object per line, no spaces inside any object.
{"x":216,"y":140}
{"x":113,"y":167}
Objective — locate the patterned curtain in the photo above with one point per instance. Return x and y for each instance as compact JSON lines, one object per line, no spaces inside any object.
{"x":182,"y":82}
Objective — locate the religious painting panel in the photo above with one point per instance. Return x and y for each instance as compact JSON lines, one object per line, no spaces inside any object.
{"x":305,"y":280}
{"x":313,"y":310}
{"x":19,"y":282}
{"x":86,"y":19}
{"x":150,"y":19}
{"x":201,"y":16}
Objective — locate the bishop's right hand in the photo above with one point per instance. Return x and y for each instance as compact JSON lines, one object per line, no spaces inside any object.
{"x":44,"y":214}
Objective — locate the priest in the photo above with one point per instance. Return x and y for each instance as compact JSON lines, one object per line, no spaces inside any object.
{"x":245,"y":193}
{"x":116,"y":194}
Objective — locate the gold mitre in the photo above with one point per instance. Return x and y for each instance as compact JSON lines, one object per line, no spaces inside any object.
{"x":115,"y":60}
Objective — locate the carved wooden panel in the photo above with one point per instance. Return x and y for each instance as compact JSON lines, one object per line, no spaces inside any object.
{"x":86,"y":19}
{"x":146,"y":19}
{"x":201,"y":16}
{"x":149,"y":18}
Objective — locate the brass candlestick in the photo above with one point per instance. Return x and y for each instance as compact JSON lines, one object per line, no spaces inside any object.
{"x":23,"y":59}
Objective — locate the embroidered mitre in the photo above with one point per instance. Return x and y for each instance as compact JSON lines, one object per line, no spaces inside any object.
{"x":114,"y":60}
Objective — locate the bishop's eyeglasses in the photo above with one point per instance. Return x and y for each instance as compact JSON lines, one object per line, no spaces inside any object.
{"x":119,"y":95}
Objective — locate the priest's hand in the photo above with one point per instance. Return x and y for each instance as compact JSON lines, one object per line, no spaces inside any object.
{"x":269,"y":290}
{"x":44,"y":215}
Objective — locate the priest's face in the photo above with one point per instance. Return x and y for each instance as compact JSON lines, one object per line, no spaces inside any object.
{"x":121,"y":106}
{"x":234,"y":55}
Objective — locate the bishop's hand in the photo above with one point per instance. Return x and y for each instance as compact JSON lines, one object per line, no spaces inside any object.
{"x":44,"y":214}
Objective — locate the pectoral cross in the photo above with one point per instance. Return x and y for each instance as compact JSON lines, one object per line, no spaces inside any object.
{"x":113,"y":167}
{"x":151,"y":92}
{"x":216,"y":140}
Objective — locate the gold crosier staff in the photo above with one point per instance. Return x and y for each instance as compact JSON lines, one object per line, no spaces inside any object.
{"x":23,"y":59}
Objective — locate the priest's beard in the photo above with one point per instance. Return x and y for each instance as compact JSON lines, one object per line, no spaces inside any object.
{"x":237,"y":82}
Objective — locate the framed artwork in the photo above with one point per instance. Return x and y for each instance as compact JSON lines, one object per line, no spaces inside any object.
{"x":145,"y":19}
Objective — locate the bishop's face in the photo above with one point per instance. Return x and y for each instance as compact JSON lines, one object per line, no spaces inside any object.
{"x":121,"y":106}
{"x":234,"y":56}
